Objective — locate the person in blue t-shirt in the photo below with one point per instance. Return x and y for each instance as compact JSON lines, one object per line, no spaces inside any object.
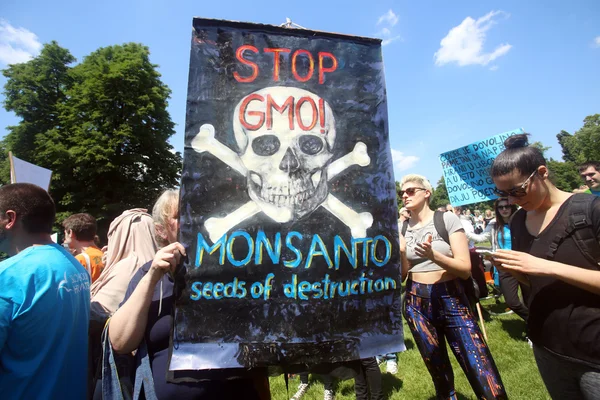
{"x":44,"y":303}
{"x":590,"y":173}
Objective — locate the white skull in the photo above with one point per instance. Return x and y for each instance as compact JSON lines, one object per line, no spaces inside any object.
{"x":286,"y":154}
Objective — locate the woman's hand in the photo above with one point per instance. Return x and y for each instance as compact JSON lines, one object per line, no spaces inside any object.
{"x":525,"y":263}
{"x":425,"y":249}
{"x":166,"y":259}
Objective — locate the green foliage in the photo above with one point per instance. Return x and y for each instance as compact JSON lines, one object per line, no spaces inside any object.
{"x":564,"y":175}
{"x":34,"y":91}
{"x":102,"y":127}
{"x":541,"y":146}
{"x":4,"y":165}
{"x":440,"y":195}
{"x":481,"y":206}
{"x":583,"y":145}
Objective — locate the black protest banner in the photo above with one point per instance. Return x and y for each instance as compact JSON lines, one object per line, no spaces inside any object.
{"x":288,"y":204}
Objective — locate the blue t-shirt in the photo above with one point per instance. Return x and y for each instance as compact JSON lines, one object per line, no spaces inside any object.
{"x":506,"y":243}
{"x":594,"y":192}
{"x":44,"y":318}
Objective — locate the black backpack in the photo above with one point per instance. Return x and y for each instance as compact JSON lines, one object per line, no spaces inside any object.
{"x":580,"y":226}
{"x":474,"y":286}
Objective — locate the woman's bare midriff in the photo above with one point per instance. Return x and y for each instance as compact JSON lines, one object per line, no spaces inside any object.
{"x":429,"y":278}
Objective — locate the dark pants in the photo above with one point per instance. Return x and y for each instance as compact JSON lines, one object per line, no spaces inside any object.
{"x":368,"y":378}
{"x":567,"y":379}
{"x":439,"y":312}
{"x":509,"y":285}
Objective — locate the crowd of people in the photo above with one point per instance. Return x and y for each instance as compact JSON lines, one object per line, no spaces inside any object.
{"x":79,"y":321}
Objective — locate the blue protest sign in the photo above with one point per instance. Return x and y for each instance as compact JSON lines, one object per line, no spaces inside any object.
{"x":466,"y":169}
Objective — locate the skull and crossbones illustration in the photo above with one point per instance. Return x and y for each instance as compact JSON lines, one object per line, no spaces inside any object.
{"x":287,"y":168}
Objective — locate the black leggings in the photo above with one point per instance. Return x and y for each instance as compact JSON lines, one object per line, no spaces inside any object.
{"x":369,"y":378}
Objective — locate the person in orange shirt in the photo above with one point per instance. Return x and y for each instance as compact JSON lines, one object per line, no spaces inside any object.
{"x":80,"y":231}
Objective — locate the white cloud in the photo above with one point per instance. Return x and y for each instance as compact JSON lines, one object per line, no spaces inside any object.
{"x":384,"y":32}
{"x":389,"y":18}
{"x":597,"y":41}
{"x":494,"y":68}
{"x":17,"y":45}
{"x":387,"y":41}
{"x":464,"y":43}
{"x":403,"y":162}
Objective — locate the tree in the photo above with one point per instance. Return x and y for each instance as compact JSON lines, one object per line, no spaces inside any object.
{"x":439,"y":197}
{"x":117,"y":128}
{"x":108,"y":142}
{"x":541,"y":147}
{"x":584,"y":145}
{"x":564,"y":175}
{"x":34,"y":91}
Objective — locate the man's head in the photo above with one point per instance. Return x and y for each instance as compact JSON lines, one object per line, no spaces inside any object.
{"x":79,"y":228}
{"x":590,"y":173}
{"x":458,"y":210}
{"x":25,"y":210}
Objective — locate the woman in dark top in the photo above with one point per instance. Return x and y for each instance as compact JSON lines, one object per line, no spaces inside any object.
{"x":147,"y":313}
{"x":564,"y":304}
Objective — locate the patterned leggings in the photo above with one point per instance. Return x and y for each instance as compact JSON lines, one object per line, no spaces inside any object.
{"x":440,"y":311}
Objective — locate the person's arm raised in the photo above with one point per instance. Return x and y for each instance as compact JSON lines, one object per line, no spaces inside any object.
{"x":128,"y":324}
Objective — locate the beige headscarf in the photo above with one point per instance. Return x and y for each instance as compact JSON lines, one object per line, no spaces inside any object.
{"x":131,"y":244}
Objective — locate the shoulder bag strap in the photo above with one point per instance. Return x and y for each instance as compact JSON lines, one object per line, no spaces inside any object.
{"x":440,"y":226}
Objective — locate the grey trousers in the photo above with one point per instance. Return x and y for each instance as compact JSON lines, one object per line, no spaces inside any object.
{"x":566,"y":379}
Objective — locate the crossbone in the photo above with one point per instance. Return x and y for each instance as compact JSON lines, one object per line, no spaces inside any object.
{"x":358,"y":223}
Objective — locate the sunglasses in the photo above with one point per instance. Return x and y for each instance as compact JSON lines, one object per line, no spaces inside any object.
{"x":504,"y":207}
{"x":410,"y":191}
{"x":521,"y":191}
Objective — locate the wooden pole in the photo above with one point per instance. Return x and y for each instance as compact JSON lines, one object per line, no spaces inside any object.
{"x":481,"y":321}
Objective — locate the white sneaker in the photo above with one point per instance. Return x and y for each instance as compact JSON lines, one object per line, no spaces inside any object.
{"x":391,"y":366}
{"x":302,"y":388}
{"x":328,"y":394}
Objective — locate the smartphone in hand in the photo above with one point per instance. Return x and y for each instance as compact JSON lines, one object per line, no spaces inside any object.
{"x":485,"y":252}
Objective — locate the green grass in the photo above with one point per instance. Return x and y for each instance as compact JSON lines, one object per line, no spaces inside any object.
{"x":510,"y":350}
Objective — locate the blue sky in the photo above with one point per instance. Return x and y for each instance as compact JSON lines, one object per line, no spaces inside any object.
{"x":456,"y":72}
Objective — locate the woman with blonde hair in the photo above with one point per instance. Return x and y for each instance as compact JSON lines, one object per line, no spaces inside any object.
{"x":145,"y":319}
{"x":435,"y":256}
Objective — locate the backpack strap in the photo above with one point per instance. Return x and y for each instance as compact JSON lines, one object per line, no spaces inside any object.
{"x":404,"y":227}
{"x":438,"y":223}
{"x":440,"y":226}
{"x":581,"y":226}
{"x":88,"y":262}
